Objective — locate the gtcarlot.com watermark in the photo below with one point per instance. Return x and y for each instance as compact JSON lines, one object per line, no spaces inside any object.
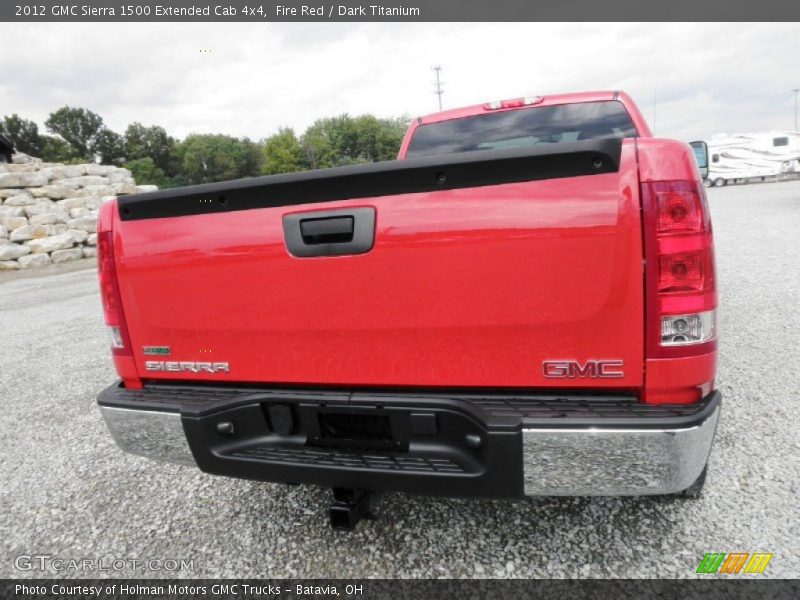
{"x":59,"y":564}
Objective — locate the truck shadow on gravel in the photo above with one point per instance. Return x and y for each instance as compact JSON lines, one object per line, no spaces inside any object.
{"x":432,"y":536}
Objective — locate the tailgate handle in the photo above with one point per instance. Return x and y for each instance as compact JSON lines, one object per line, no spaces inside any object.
{"x":330,"y":232}
{"x":327,"y":230}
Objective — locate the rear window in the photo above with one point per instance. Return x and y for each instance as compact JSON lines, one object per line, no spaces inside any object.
{"x":522,"y":128}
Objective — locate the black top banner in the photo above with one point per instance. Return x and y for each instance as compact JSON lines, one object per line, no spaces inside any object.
{"x":261,"y":11}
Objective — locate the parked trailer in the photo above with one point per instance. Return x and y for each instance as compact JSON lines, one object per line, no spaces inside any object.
{"x":752,"y":157}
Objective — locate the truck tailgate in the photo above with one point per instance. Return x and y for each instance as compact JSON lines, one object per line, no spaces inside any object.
{"x":463,"y":287}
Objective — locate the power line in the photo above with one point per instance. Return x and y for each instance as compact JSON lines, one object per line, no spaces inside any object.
{"x":438,"y":89}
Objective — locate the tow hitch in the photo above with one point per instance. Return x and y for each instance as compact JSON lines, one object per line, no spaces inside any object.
{"x":350,"y":506}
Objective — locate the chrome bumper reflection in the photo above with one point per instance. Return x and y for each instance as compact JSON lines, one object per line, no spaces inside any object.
{"x":615,"y":462}
{"x":154,"y":434}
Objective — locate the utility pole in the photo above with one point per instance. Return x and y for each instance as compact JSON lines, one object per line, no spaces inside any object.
{"x":796,"y":94}
{"x":438,"y":89}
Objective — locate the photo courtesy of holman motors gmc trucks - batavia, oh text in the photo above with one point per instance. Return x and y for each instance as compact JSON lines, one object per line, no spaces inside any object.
{"x":524,"y":303}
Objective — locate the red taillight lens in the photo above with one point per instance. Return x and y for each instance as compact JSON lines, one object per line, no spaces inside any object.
{"x":683,"y":272}
{"x":109,"y":294}
{"x":105,"y":266}
{"x":680,"y":208}
{"x":681,"y":289}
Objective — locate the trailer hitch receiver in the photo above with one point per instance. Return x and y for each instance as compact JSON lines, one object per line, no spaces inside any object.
{"x":350,"y":506}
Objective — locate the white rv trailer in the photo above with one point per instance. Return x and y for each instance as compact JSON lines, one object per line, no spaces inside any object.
{"x":746,"y":157}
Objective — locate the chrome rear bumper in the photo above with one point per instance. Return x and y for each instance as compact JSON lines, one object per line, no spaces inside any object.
{"x":651,"y":457}
{"x":615,"y":462}
{"x":155,"y":434}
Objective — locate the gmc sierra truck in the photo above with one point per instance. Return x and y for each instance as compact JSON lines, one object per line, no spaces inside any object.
{"x":524,"y":303}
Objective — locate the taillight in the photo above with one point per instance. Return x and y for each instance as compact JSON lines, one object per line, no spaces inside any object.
{"x":684,"y":272}
{"x":109,"y":294}
{"x":680,"y":208}
{"x":682,"y":330}
{"x":513,"y":103}
{"x":680,"y":279}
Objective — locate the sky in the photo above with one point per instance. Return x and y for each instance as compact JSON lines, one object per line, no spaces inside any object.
{"x":248,"y":79}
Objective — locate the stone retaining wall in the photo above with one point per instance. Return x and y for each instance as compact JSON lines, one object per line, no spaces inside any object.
{"x":48,"y":211}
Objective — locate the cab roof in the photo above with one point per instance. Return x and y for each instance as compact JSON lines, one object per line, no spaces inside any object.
{"x":546,"y":100}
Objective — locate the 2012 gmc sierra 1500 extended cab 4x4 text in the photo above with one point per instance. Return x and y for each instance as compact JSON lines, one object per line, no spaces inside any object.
{"x":523,"y":304}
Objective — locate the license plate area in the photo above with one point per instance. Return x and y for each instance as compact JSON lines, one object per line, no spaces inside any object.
{"x":357,"y":430}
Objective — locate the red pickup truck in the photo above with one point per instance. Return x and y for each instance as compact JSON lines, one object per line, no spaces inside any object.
{"x":523,"y":304}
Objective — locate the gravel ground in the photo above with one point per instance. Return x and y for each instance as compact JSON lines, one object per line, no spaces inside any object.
{"x":66,"y":490}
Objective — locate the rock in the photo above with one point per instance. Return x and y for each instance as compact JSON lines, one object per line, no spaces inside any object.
{"x":123,"y":188}
{"x":12,"y":251}
{"x":28,"y":232}
{"x":60,"y":256}
{"x":34,"y":260}
{"x":94,"y":190}
{"x":44,"y":206}
{"x":12,"y":168}
{"x":51,"y":243}
{"x":78,"y":235}
{"x":100,"y":169}
{"x":20,"y":158}
{"x":48,"y":211}
{"x":20,"y":200}
{"x":21,"y":180}
{"x":74,"y":213}
{"x":95,"y":202}
{"x":49,"y":218}
{"x":55,"y":191}
{"x":70,"y":203}
{"x":64,"y":171}
{"x":9,"y":265}
{"x":119,"y":176}
{"x":88,"y":224}
{"x":84,"y":181}
{"x":11,"y":211}
{"x":12,"y":223}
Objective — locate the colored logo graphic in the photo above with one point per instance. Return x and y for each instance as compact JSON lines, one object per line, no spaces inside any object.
{"x":734,"y":562}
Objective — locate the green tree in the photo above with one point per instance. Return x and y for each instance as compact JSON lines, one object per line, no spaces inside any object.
{"x":54,"y":149}
{"x":151,"y":142}
{"x":380,"y":139}
{"x":79,"y":127}
{"x":331,"y":142}
{"x":146,"y":172}
{"x":317,"y":146}
{"x":23,"y":133}
{"x":208,"y":158}
{"x":344,"y":140}
{"x":109,"y":147}
{"x":283,"y":153}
